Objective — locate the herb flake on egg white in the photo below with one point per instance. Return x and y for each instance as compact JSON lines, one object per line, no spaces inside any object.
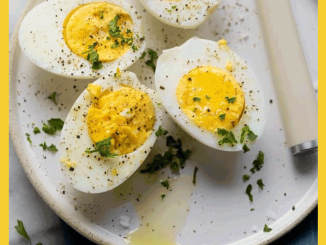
{"x":90,"y":172}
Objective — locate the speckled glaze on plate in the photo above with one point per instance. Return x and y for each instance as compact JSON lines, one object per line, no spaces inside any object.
{"x":219,"y":210}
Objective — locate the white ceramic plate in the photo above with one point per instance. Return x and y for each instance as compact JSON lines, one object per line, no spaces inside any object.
{"x":216,"y":210}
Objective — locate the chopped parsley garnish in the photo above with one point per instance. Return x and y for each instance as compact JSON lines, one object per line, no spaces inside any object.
{"x":194,"y":176}
{"x":52,"y":97}
{"x":248,"y":192}
{"x":196,"y":99}
{"x":207,"y":97}
{"x":245,"y":177}
{"x":114,"y":29}
{"x":222,"y":117}
{"x":134,"y":48}
{"x":52,"y":147}
{"x":267,"y":229}
{"x":174,"y":7}
{"x":142,"y":55}
{"x":258,"y":162}
{"x":54,"y":125}
{"x":252,"y":209}
{"x":107,"y":38}
{"x":245,"y":148}
{"x":36,"y":130}
{"x":245,"y":131}
{"x":165,"y":184}
{"x":195,"y":109}
{"x":115,"y":44}
{"x":28,"y":138}
{"x":93,"y":57}
{"x":175,"y":157}
{"x":174,"y":166}
{"x":229,"y":137}
{"x":21,"y":230}
{"x":159,"y":103}
{"x":44,"y":146}
{"x":103,"y":147}
{"x":162,"y":196}
{"x":101,"y":14}
{"x":260,"y":184}
{"x":161,"y":131}
{"x":153,"y":56}
{"x":230,"y":100}
{"x":169,"y":10}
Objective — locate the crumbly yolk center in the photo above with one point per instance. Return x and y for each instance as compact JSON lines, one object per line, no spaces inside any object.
{"x":88,"y":24}
{"x":126,"y":115}
{"x":211,"y":97}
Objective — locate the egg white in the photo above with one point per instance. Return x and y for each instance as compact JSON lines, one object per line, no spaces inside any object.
{"x":93,"y":174}
{"x":187,"y":14}
{"x":174,"y":63}
{"x":41,"y":39}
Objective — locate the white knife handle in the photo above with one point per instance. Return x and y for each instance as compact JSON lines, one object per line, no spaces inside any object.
{"x":295,"y":94}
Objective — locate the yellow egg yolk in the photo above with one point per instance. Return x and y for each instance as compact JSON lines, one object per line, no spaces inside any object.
{"x":127,"y":115}
{"x":211,"y":97}
{"x":88,"y":24}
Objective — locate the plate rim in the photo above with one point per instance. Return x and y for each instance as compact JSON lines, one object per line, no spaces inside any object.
{"x":44,"y":193}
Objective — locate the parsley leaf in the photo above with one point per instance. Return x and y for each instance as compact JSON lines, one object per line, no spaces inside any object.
{"x":28,"y":138}
{"x":128,"y":31}
{"x":57,"y":123}
{"x":174,"y":166}
{"x":250,"y":135}
{"x":93,"y":57}
{"x":113,"y":27}
{"x":103,"y":147}
{"x":194,"y":176}
{"x":260,"y":183}
{"x":52,"y":147}
{"x":161,"y":131}
{"x":21,"y":230}
{"x":248,"y":192}
{"x":245,"y":148}
{"x":229,"y":137}
{"x":101,"y":14}
{"x":36,"y":130}
{"x":153,"y":56}
{"x":252,"y":209}
{"x":143,"y":55}
{"x":267,"y":229}
{"x":222,"y":117}
{"x":115,"y":44}
{"x":258,"y":162}
{"x":162,"y":196}
{"x":176,"y":159}
{"x":207,"y":97}
{"x":52,"y":97}
{"x":174,"y":7}
{"x":44,"y":146}
{"x":230,"y":100}
{"x":48,"y":129}
{"x":165,"y":184}
{"x":134,"y":47}
{"x":169,"y":10}
{"x":196,"y":99}
{"x":245,"y":177}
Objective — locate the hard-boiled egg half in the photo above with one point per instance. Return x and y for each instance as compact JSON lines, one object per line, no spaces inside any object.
{"x":82,"y":38}
{"x":109,"y":132}
{"x":186,"y":14}
{"x":210,"y":92}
